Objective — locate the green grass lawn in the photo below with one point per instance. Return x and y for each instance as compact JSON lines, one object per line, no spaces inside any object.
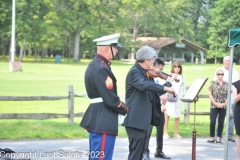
{"x":46,"y":78}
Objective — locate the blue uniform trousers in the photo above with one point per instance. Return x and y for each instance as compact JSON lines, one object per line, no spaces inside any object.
{"x":101,"y":146}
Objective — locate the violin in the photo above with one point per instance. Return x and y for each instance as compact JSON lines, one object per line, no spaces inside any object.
{"x":153,"y":74}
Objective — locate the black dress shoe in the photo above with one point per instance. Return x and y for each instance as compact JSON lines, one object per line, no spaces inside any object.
{"x":210,"y":141}
{"x":146,"y":157}
{"x":231,"y":140}
{"x":161,"y":155}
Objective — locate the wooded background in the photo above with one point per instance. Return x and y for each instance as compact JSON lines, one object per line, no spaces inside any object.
{"x":67,"y":27}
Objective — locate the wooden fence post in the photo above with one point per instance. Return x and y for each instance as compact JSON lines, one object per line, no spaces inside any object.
{"x":70,"y":105}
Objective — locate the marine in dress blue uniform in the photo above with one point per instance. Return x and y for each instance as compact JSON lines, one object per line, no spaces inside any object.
{"x":101,"y":117}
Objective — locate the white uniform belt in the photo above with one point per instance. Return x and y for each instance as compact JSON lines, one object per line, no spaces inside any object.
{"x":96,"y":100}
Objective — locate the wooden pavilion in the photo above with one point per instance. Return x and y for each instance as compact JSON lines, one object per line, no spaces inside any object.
{"x":170,"y":46}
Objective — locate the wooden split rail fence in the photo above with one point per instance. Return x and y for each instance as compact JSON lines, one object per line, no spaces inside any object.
{"x":41,"y":116}
{"x":187,"y":112}
{"x":70,"y":115}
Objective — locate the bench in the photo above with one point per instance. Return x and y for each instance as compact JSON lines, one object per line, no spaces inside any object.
{"x":168,"y":63}
{"x":128,"y":61}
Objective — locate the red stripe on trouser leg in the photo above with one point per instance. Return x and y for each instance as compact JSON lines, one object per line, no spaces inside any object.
{"x":103,"y":146}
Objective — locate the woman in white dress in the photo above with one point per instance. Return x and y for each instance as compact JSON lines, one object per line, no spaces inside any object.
{"x":173,"y":109}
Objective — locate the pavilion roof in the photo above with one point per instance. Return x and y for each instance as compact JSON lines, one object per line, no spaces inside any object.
{"x":169,"y":43}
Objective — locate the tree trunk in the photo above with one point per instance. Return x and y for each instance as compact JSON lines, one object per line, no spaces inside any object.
{"x":3,"y":50}
{"x":51,"y":54}
{"x":35,"y":51}
{"x":77,"y":45}
{"x":9,"y":57}
{"x":21,"y":50}
{"x":70,"y":49}
{"x":202,"y":56}
{"x":30,"y":49}
{"x":215,"y":57}
{"x":43,"y":53}
{"x":135,"y":30}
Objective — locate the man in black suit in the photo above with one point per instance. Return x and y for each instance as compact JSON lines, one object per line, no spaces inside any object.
{"x":158,"y":65}
{"x":139,"y":95}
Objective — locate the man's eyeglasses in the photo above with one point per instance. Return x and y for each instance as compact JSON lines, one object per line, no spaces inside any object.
{"x":220,"y":74}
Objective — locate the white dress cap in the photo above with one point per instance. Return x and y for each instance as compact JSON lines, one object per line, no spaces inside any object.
{"x":107,"y":40}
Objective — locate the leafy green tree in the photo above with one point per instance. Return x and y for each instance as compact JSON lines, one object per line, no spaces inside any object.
{"x":30,"y":23}
{"x":157,"y":18}
{"x":222,"y":18}
{"x":103,"y":19}
{"x":69,"y":26}
{"x":86,"y":19}
{"x":5,"y":23}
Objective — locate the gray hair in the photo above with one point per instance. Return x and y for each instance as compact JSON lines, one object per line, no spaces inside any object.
{"x":145,"y":52}
{"x":219,"y":69}
{"x":226,"y":57}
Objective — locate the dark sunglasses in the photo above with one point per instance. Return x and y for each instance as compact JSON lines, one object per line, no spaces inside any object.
{"x":177,"y":67}
{"x":220,"y":74}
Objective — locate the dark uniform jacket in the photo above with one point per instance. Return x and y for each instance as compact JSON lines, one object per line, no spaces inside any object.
{"x":139,"y":98}
{"x":102,"y":117}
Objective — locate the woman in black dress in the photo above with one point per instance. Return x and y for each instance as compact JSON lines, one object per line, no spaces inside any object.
{"x":236,"y":98}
